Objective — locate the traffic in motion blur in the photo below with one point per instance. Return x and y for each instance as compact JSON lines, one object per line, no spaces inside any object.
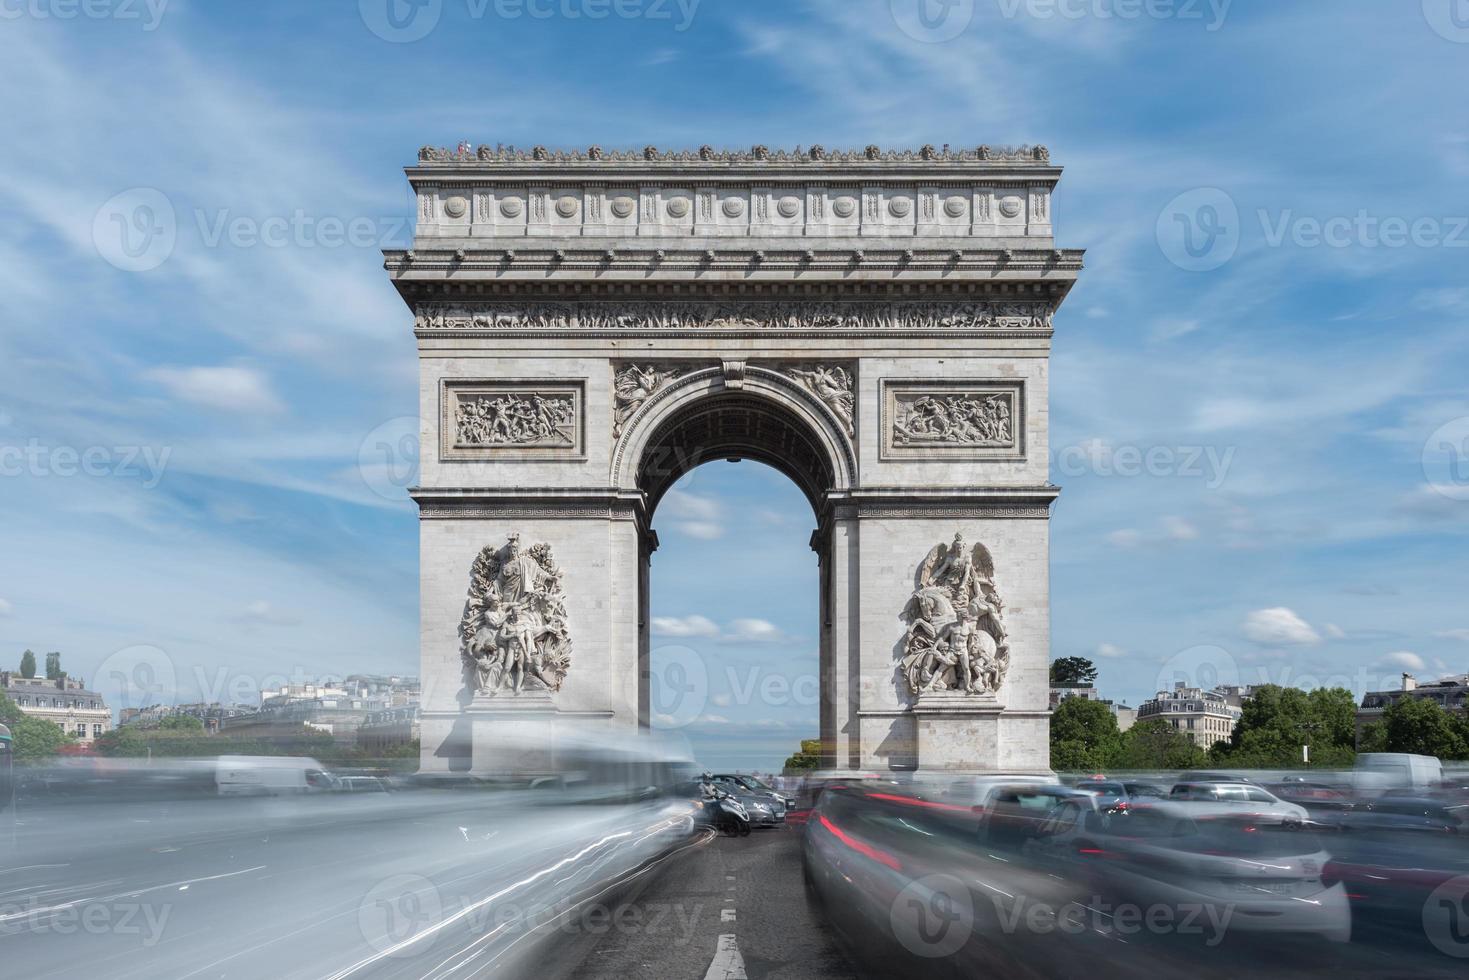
{"x":269,"y":866}
{"x":1185,"y":875}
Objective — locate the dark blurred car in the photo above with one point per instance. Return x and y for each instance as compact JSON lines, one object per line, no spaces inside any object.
{"x":1012,"y":813}
{"x":765,"y":810}
{"x":1212,"y":777}
{"x":755,"y":786}
{"x":1114,"y":793}
{"x":1265,"y":872}
{"x":1408,"y":814}
{"x":1321,"y":802}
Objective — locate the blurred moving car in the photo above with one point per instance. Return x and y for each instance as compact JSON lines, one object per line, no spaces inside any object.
{"x":1257,"y":872}
{"x":1246,"y":796}
{"x":1409,"y":814}
{"x":1322,"y":802}
{"x":1012,"y":813}
{"x":1112,"y":793}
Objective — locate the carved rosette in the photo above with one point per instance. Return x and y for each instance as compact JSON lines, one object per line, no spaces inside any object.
{"x":956,"y":640}
{"x":513,"y":635}
{"x":833,"y":385}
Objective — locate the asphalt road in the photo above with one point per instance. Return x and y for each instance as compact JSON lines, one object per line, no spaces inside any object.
{"x":731,"y":901}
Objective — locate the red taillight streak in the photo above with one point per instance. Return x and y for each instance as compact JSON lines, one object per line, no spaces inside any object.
{"x":867,"y":850}
{"x":914,"y":801}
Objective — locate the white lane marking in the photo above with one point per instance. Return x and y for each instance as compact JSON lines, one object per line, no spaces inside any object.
{"x":726,"y":915}
{"x":134,"y":893}
{"x":728,"y":964}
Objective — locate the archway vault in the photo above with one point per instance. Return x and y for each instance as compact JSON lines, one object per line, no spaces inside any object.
{"x":728,"y":412}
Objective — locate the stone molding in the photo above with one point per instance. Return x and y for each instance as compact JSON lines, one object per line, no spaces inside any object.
{"x":815,"y":155}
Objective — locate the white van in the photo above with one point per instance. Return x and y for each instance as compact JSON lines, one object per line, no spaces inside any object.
{"x":271,"y":775}
{"x":1398,"y":770}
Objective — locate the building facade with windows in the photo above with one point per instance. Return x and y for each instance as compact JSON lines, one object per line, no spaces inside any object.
{"x":1450,"y":693}
{"x":1205,"y":716}
{"x":65,"y":702}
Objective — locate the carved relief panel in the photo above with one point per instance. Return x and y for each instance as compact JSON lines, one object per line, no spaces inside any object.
{"x":485,"y":420}
{"x":944,"y":419}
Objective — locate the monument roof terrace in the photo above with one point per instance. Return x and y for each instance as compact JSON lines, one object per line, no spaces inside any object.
{"x":507,"y":217}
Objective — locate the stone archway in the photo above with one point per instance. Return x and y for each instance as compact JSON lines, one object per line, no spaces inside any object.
{"x":876,"y":326}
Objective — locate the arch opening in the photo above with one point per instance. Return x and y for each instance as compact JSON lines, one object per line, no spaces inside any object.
{"x":734,"y":425}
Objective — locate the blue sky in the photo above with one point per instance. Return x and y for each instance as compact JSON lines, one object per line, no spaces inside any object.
{"x":1257,"y":438}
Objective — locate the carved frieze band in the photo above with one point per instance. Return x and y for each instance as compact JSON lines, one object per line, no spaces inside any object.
{"x":946,"y":419}
{"x":979,"y":316}
{"x":511,"y":419}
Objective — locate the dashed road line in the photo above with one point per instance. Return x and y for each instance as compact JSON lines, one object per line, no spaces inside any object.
{"x":728,"y":963}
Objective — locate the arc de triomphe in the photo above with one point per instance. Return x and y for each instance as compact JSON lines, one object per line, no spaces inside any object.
{"x":874,"y":324}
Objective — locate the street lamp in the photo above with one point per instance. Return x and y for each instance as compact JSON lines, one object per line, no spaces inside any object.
{"x":7,"y":784}
{"x":1311,"y":728}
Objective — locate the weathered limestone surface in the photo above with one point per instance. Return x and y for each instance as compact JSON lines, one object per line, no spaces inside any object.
{"x":875,"y":324}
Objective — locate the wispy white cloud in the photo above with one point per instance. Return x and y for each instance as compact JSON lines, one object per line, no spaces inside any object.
{"x":684,"y":626}
{"x":228,"y":389}
{"x":1405,"y":660}
{"x":1279,"y":626}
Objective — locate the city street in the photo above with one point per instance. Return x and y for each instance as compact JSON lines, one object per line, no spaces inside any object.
{"x":745,"y":888}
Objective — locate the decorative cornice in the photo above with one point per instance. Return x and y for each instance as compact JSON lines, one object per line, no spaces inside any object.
{"x":818,"y":155}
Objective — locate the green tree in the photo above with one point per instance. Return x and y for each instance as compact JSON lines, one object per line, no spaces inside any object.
{"x":31,"y":738}
{"x":28,"y":664}
{"x":1156,"y":744}
{"x":181,"y":723}
{"x":1276,"y":721}
{"x":1084,"y":735}
{"x":1073,"y":670}
{"x":53,"y":667}
{"x":1421,"y":726}
{"x":808,"y":758}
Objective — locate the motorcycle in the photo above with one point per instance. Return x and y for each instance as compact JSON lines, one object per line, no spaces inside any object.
{"x":731,"y":816}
